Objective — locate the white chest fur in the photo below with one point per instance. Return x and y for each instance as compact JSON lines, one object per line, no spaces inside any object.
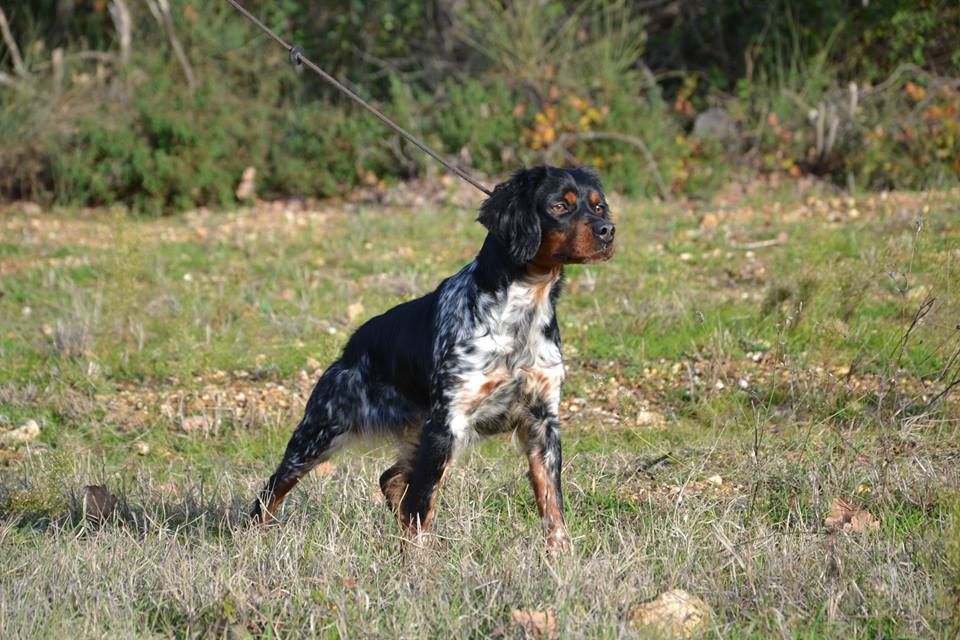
{"x":508,"y":358}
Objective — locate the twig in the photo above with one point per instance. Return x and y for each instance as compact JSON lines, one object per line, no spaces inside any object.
{"x":18,"y":65}
{"x":161,"y":12}
{"x":925,"y":307}
{"x":8,"y":80}
{"x":759,"y":244}
{"x":124,"y":26}
{"x":100,"y":56}
{"x":56,"y":59}
{"x":618,"y":137}
{"x":943,"y":394}
{"x":16,"y":84}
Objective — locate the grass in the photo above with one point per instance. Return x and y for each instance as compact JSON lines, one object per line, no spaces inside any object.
{"x":764,"y":339}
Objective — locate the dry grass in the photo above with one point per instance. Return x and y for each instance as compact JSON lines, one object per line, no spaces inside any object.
{"x":719,"y":399}
{"x":180,"y":560}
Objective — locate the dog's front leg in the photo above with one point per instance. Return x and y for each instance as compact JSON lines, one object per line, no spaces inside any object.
{"x":543,"y":454}
{"x":434,"y":452}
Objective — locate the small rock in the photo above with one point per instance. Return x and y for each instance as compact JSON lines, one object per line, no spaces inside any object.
{"x":674,"y":614}
{"x":192,"y":424}
{"x":142,"y":448}
{"x":715,"y":481}
{"x":647,"y":418}
{"x":715,"y":124}
{"x":24,"y":433}
{"x":247,"y":184}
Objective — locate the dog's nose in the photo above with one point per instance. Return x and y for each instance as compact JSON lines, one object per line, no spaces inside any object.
{"x":604,"y":230}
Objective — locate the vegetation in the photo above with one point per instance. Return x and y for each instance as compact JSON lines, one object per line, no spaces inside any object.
{"x":161,"y":107}
{"x":761,"y":404}
{"x":809,"y":355}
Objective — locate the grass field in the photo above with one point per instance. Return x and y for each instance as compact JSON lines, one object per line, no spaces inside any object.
{"x":739,"y":365}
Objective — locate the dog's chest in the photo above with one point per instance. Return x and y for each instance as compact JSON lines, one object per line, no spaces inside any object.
{"x":510,"y":364}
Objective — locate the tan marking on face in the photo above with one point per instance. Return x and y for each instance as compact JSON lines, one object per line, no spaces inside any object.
{"x":576,"y":245}
{"x":545,"y":262}
{"x":594,"y":198}
{"x":584,"y":242}
{"x":571,"y":198}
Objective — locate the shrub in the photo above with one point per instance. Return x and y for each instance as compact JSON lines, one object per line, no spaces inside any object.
{"x":493,"y":84}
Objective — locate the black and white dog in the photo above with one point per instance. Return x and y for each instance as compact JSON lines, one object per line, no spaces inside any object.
{"x":477,"y":356}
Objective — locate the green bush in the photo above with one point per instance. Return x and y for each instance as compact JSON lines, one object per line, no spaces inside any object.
{"x":492,"y":84}
{"x":169,"y":149}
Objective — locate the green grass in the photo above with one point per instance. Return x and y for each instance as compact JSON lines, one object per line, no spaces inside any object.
{"x":767,"y":349}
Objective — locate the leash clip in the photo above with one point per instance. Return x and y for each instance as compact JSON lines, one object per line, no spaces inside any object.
{"x":296,"y":56}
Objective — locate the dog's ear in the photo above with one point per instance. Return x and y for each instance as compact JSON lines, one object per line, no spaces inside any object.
{"x":510,"y":215}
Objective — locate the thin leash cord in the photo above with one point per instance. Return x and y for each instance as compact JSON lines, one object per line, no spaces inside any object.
{"x":296,"y":57}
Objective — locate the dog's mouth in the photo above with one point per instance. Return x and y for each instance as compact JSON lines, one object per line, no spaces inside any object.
{"x":600,"y":255}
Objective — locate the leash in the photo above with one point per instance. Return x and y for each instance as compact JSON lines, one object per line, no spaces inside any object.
{"x":295,"y":54}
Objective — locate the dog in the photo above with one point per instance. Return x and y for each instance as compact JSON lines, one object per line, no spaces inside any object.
{"x":479,"y":355}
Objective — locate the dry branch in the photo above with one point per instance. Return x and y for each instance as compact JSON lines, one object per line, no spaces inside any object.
{"x":124,"y":26}
{"x":161,"y":12}
{"x":18,"y":65}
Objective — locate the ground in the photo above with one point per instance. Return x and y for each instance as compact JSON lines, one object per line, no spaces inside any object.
{"x":747,"y":374}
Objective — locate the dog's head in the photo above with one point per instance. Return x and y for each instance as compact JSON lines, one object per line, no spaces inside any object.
{"x":547,"y":217}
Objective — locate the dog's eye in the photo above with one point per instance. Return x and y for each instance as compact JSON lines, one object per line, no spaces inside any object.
{"x":558,"y":207}
{"x":599,"y":208}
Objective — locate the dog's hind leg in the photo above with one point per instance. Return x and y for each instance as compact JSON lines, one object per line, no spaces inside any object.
{"x":343,"y":403}
{"x":326,"y":423}
{"x":313,"y":441}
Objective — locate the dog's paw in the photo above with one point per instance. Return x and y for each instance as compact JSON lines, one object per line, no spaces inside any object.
{"x":558,"y":541}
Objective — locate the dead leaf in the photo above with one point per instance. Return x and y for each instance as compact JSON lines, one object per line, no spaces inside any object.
{"x":98,"y":502}
{"x":354,"y":310}
{"x":24,"y":433}
{"x":674,"y":614}
{"x":843,"y":516}
{"x":537,"y":624}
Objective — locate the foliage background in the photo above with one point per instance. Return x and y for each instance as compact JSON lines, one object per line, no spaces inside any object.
{"x":864,"y":94}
